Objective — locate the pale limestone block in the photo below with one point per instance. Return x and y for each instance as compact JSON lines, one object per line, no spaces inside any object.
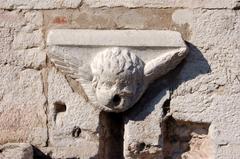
{"x":6,"y":37}
{"x":34,"y":20}
{"x":73,"y":123}
{"x":26,"y":21}
{"x":22,"y":106}
{"x":36,"y":4}
{"x":30,"y":58}
{"x":11,"y":19}
{"x":143,"y":128}
{"x":84,"y":150}
{"x":16,"y":151}
{"x":229,"y":151}
{"x":182,"y":16}
{"x":20,"y":32}
{"x":24,"y":40}
{"x":165,"y":3}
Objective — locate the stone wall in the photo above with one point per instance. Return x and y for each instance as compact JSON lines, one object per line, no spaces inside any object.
{"x":199,"y":119}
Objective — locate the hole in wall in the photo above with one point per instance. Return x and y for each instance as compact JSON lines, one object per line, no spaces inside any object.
{"x":59,"y":109}
{"x":166,"y":107}
{"x":111,"y":131}
{"x":76,"y":131}
{"x":186,"y":140}
{"x":141,"y":146}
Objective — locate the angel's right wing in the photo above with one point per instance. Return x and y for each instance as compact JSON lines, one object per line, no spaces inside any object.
{"x":163,"y":64}
{"x":77,"y":71}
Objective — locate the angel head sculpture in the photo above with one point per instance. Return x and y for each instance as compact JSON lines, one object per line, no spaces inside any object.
{"x":116,"y":78}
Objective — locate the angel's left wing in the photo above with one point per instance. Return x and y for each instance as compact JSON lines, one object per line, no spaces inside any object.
{"x":163,"y":64}
{"x":73,"y":68}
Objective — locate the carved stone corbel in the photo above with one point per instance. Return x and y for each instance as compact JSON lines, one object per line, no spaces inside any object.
{"x":115,"y":67}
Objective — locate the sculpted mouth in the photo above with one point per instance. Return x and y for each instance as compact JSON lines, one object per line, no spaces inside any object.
{"x":116,"y":100}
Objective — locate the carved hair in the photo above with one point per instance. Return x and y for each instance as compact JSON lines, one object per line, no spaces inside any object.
{"x":118,"y":61}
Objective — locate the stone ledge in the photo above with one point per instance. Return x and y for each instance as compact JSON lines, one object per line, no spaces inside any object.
{"x":134,"y":38}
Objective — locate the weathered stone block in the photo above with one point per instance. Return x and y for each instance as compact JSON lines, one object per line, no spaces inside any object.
{"x":229,"y":151}
{"x":143,"y":128}
{"x":22,"y":106}
{"x":6,"y":37}
{"x":24,"y":40}
{"x":11,"y":19}
{"x":29,"y":58}
{"x":73,"y":123}
{"x":165,"y":3}
{"x":21,"y":39}
{"x":35,"y":4}
{"x":16,"y":151}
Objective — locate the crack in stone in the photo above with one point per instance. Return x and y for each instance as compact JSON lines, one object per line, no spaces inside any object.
{"x":44,"y":76}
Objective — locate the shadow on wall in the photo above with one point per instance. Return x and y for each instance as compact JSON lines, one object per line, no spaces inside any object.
{"x":192,"y":66}
{"x":37,"y":154}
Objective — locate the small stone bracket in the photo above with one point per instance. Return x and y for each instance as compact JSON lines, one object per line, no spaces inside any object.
{"x":115,"y":67}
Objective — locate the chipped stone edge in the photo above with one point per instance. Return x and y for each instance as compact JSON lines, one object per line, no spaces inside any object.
{"x":128,"y":38}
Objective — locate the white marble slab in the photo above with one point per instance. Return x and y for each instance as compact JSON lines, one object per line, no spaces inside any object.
{"x":127,"y":38}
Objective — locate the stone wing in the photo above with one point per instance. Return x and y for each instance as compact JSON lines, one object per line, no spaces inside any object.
{"x":163,"y":64}
{"x":74,"y":69}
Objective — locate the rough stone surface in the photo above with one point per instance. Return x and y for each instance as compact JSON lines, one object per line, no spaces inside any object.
{"x":114,"y":18}
{"x":35,"y":4}
{"x":27,"y":40}
{"x":16,"y":151}
{"x":22,"y":39}
{"x":22,"y":101}
{"x":87,"y":150}
{"x":143,"y":131}
{"x":204,"y":88}
{"x":54,"y":4}
{"x":22,"y":110}
{"x":72,"y":122}
{"x":210,"y":89}
{"x":165,"y":3}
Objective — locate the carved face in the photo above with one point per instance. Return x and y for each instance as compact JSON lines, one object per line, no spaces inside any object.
{"x":118,"y":79}
{"x":117,"y":94}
